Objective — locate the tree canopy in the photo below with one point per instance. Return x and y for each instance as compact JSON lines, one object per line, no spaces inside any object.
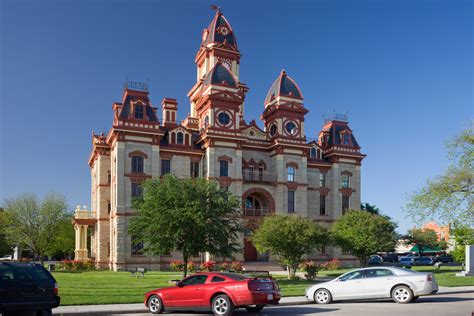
{"x":449,"y":196}
{"x":370,"y":208}
{"x":362,"y":234}
{"x":289,"y":237}
{"x":33,"y":223}
{"x":189,"y":216}
{"x":422,"y":239}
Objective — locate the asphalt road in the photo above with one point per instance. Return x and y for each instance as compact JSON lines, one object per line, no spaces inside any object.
{"x":442,"y":305}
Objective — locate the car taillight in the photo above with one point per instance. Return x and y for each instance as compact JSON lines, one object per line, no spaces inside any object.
{"x":56,"y":289}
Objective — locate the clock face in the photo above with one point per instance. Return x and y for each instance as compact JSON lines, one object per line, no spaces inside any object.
{"x":223,"y":30}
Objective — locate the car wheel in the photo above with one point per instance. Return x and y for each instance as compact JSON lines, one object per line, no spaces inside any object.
{"x":322,"y":296}
{"x":155,"y":304}
{"x":402,"y":294}
{"x":254,"y":308}
{"x":222,"y":305}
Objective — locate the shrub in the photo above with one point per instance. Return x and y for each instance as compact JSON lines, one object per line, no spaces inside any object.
{"x":225,"y":266}
{"x":333,"y":264}
{"x":237,"y":266}
{"x":74,"y":265}
{"x":311,"y":268}
{"x":191,"y":268}
{"x":207,"y":266}
{"x":177,"y":265}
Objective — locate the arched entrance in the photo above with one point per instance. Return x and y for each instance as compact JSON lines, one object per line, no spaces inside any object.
{"x":257,"y":202}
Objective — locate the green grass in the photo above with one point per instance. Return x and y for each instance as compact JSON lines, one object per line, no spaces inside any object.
{"x":105,"y":287}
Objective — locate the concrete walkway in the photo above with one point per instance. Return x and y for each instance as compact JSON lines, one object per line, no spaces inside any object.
{"x":140,"y":307}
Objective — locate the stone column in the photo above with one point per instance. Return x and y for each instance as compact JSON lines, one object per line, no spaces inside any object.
{"x":469,"y":267}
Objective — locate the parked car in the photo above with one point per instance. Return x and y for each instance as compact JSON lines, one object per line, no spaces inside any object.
{"x":407,"y":261}
{"x":6,"y":258}
{"x":423,"y":261}
{"x":444,"y":258}
{"x":409,"y":255}
{"x":27,"y":287}
{"x":221,"y":292}
{"x":390,"y":257}
{"x":402,"y":285}
{"x":375,"y":260}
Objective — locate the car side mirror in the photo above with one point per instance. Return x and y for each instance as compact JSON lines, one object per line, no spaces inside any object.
{"x":176,"y":282}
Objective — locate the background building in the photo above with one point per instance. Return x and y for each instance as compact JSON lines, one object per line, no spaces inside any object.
{"x":277,"y":169}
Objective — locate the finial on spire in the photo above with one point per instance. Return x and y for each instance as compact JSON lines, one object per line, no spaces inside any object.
{"x":216,"y":8}
{"x":283,"y":72}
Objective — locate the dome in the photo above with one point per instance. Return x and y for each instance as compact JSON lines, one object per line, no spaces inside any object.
{"x":220,"y":75}
{"x":284,"y":85}
{"x":219,"y":31}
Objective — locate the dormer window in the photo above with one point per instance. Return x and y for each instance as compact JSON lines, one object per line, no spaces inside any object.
{"x":312,"y":153}
{"x":179,"y":138}
{"x":139,"y":111}
{"x":345,"y":138}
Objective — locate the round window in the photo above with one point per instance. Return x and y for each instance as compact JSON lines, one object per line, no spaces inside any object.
{"x":273,"y":130}
{"x":291,"y":128}
{"x":223,"y":118}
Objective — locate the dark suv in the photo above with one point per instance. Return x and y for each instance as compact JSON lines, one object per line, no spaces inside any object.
{"x":27,"y":288}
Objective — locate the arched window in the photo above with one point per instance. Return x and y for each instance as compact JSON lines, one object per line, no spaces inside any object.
{"x":224,"y":168}
{"x":138,"y":111}
{"x":255,"y":206}
{"x":261,"y":168}
{"x":179,"y":138}
{"x":291,"y":173}
{"x":251,"y":171}
{"x":312,"y":153}
{"x":137,"y":164}
{"x":345,"y":181}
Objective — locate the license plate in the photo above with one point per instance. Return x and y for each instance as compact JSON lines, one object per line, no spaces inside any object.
{"x":270,"y":296}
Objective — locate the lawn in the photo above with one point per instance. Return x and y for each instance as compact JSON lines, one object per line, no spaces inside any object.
{"x":105,"y":287}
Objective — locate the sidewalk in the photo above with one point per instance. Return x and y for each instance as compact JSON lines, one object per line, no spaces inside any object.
{"x":140,"y":307}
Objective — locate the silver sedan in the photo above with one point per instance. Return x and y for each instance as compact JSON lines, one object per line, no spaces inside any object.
{"x":402,"y":285}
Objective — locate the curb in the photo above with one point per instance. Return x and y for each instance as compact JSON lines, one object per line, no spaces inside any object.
{"x":144,"y":310}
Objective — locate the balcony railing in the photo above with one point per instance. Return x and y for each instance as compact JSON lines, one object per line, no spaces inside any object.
{"x":256,"y":176}
{"x":83,"y":214}
{"x":255,"y":212}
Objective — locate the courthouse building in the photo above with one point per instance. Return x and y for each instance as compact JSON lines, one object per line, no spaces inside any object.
{"x":275,"y":170}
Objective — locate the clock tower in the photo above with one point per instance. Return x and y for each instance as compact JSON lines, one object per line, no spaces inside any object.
{"x":220,"y":55}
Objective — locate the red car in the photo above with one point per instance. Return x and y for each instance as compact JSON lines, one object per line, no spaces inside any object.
{"x":221,"y":292}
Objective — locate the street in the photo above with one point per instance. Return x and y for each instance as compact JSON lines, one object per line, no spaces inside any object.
{"x":442,"y":305}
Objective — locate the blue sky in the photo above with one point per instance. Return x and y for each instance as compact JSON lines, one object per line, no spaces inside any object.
{"x":402,"y":69}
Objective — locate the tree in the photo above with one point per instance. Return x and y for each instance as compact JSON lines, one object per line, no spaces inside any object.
{"x":189,"y":216}
{"x":5,"y":245}
{"x":370,"y":208}
{"x":422,"y":238}
{"x":449,"y":196}
{"x":363,"y":234}
{"x":33,"y":223}
{"x":289,"y":237}
{"x":463,"y":235}
{"x":64,"y":244}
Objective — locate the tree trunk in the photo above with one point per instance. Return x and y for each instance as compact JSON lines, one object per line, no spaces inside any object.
{"x":185,"y":263}
{"x":363,"y":262}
